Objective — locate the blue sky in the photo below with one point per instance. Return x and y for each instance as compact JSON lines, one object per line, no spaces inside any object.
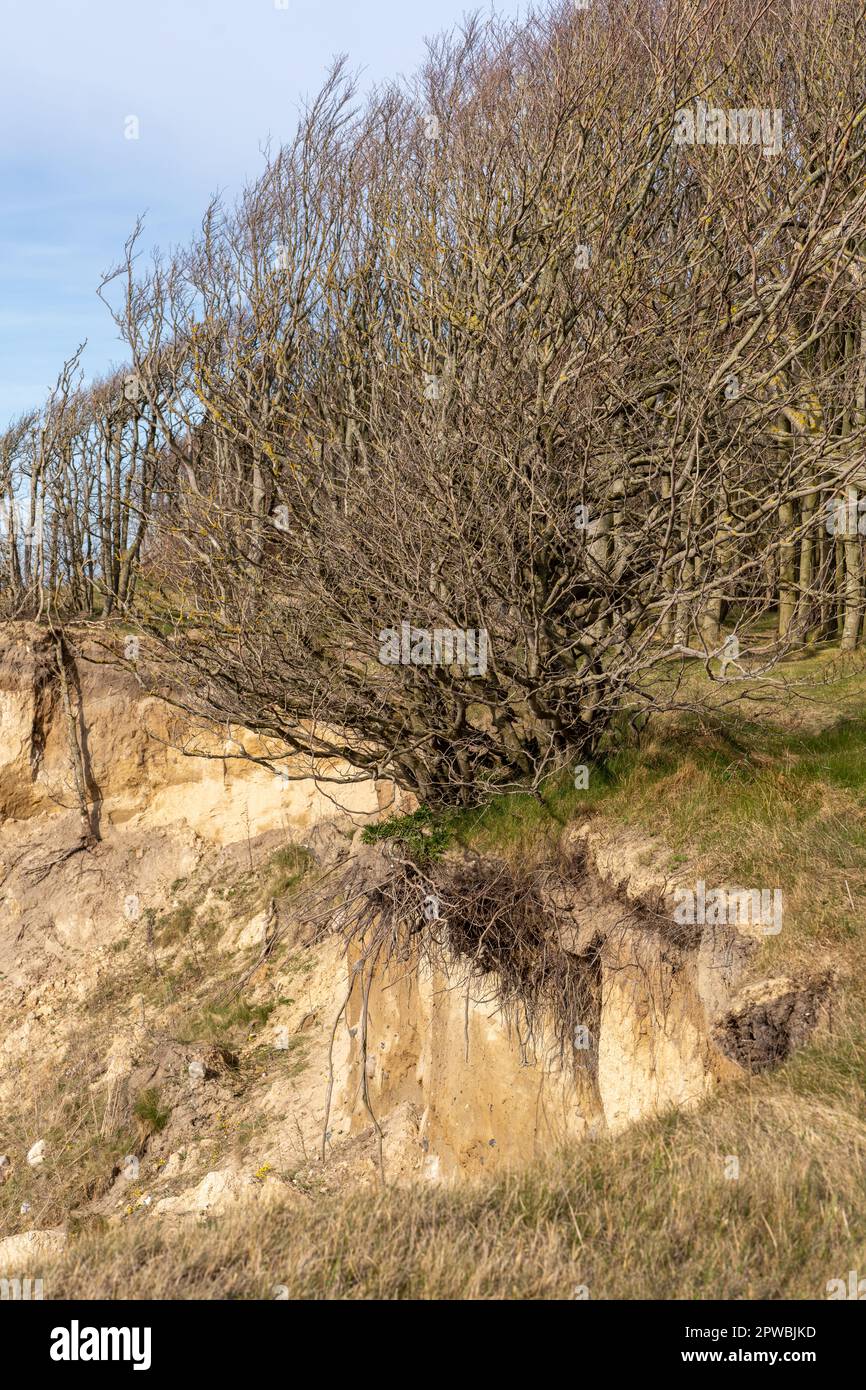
{"x":209,"y":80}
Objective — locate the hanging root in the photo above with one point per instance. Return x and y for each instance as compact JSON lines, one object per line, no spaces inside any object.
{"x":484,"y":922}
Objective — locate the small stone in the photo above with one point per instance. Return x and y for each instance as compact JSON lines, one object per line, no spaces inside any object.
{"x":37,"y":1154}
{"x":24,"y":1250}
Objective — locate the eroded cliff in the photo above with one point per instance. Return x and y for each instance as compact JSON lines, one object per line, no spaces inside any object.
{"x":187,"y":1023}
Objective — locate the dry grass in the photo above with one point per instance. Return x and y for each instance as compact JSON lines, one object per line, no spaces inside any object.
{"x":86,"y":1131}
{"x":650,"y":1213}
{"x":647,"y":1215}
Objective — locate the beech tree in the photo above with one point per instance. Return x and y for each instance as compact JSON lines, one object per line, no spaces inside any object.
{"x":504,"y":396}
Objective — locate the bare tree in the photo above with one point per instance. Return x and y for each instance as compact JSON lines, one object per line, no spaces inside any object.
{"x":502,"y":397}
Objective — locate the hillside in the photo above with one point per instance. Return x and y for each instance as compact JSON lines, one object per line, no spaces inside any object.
{"x":538,"y":1098}
{"x":433,"y":687}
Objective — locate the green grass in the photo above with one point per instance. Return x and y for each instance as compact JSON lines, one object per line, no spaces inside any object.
{"x":423,"y":834}
{"x":225,"y":1025}
{"x":286,"y":869}
{"x":150,"y":1113}
{"x":776,"y":802}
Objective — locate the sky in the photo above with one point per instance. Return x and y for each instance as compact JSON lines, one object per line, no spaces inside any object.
{"x":209,"y":81}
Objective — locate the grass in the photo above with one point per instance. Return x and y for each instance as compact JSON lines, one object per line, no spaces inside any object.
{"x":276,"y":878}
{"x":650,"y":1214}
{"x":773,"y":811}
{"x":225,"y":1025}
{"x":151,"y":1115}
{"x":87,"y":1126}
{"x":86,"y":1130}
{"x":769,"y":804}
{"x":176,"y":925}
{"x":285,"y":869}
{"x":423,"y":835}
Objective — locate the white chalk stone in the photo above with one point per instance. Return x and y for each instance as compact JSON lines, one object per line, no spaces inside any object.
{"x":37,"y":1154}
